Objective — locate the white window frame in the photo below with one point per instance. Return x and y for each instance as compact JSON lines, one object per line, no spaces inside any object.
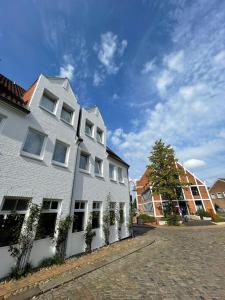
{"x":213,"y":196}
{"x":30,"y":155}
{"x":92,"y":128}
{"x":8,"y":212}
{"x":51,"y":96}
{"x":120,"y":181}
{"x":114,"y":172}
{"x":81,"y":210}
{"x":101,"y":167}
{"x":89,"y":165}
{"x":221,"y":195}
{"x":66,"y":106}
{"x":57,"y":163}
{"x":102,"y":136}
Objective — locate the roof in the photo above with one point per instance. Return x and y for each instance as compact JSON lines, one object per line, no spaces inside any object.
{"x":11,"y":93}
{"x":115,"y":156}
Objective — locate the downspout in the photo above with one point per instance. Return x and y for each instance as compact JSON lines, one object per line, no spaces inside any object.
{"x":78,"y":141}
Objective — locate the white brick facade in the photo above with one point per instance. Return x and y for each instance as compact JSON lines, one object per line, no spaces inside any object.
{"x":38,"y":179}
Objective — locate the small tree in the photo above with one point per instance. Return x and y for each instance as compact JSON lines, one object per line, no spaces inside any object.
{"x":63,"y":229}
{"x":89,"y":235}
{"x":107,"y":219}
{"x":164,"y":177}
{"x":21,"y":251}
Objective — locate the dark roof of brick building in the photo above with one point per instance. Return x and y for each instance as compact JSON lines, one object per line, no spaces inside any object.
{"x":115,"y":156}
{"x":11,"y":93}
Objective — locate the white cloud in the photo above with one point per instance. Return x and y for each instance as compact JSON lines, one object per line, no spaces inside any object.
{"x":219,"y":59}
{"x":67,"y":70}
{"x":115,"y":96}
{"x":164,"y":80}
{"x":194,"y":163}
{"x":175,"y":61}
{"x":97,"y":80}
{"x":109,"y":49}
{"x":148,"y":67}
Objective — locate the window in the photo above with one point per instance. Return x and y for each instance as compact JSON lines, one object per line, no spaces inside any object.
{"x":213,"y":196}
{"x":219,"y":195}
{"x":34,"y":142}
{"x":98,"y":166}
{"x":96,"y":215}
{"x":66,"y":114}
{"x":79,"y":215}
{"x":120,"y":175}
{"x":121,"y":220}
{"x":112,"y":206}
{"x":146,"y":195}
{"x":47,"y":219}
{"x":179,"y":193}
{"x":89,"y":128}
{"x":99,"y":135}
{"x":11,"y":220}
{"x":112,"y":173}
{"x":60,"y":152}
{"x":194,"y":191}
{"x":48,"y":103}
{"x":84,"y":161}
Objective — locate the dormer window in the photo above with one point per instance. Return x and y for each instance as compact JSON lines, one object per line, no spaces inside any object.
{"x":48,"y":103}
{"x":99,"y":135}
{"x":89,"y":128}
{"x":66,"y":114}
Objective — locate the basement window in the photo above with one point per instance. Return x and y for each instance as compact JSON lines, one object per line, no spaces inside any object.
{"x":47,"y":219}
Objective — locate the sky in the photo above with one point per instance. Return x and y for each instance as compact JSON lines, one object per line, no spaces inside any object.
{"x":155,"y":69}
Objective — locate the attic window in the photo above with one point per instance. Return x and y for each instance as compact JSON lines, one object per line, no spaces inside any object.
{"x":66,"y":114}
{"x":48,"y":103}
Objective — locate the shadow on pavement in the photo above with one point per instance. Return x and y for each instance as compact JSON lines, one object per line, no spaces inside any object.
{"x":142,"y":229}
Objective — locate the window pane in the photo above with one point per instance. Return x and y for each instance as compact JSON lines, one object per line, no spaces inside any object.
{"x":60,"y":152}
{"x":84,"y":162}
{"x":88,"y":128}
{"x":78,"y":221}
{"x":48,"y":103}
{"x":10,"y":228}
{"x":34,"y":142}
{"x":46,"y":204}
{"x":22,"y":204}
{"x":46,"y":225}
{"x":95,"y":219}
{"x":82,"y":205}
{"x":120,"y":174}
{"x":111,"y":171}
{"x":9,"y":204}
{"x":54,"y":205}
{"x":66,"y":114}
{"x":99,"y":136}
{"x":98,"y":166}
{"x":194,"y":190}
{"x":77,"y":205}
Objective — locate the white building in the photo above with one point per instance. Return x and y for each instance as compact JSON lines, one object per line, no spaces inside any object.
{"x":44,"y":161}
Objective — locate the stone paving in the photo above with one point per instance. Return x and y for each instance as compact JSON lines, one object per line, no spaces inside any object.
{"x":183,"y":263}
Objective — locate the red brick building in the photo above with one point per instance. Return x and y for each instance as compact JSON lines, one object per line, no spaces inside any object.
{"x":189,"y":199}
{"x":217,"y":193}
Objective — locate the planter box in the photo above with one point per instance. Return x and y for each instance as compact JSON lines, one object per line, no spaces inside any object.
{"x":194,"y":217}
{"x":207,"y":218}
{"x":162,"y":222}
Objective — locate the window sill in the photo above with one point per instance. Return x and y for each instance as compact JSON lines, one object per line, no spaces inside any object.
{"x":100,"y":143}
{"x":48,"y":111}
{"x":32,"y":156}
{"x":85,"y":172}
{"x":66,"y":122}
{"x":122,"y":182}
{"x":99,"y":176}
{"x":58,"y":164}
{"x":113,"y":180}
{"x":90,"y":137}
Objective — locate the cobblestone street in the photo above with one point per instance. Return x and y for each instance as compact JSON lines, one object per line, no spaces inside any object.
{"x":183,"y":263}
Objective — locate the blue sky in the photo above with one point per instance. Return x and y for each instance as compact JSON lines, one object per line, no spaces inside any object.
{"x":156,"y":69}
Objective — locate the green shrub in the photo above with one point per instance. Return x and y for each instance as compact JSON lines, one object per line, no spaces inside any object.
{"x":147,"y":218}
{"x":49,"y":261}
{"x":173,"y":220}
{"x":202,"y":213}
{"x":218,"y":219}
{"x":15,"y":273}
